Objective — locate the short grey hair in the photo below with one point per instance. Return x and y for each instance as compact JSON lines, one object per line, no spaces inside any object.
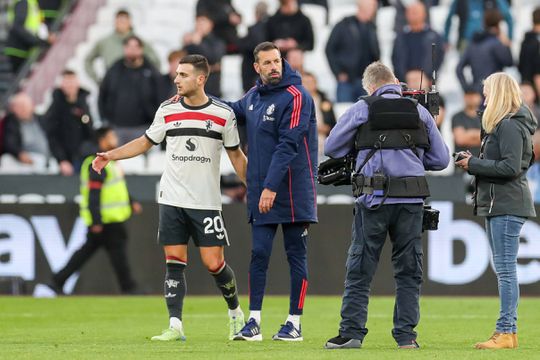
{"x":376,"y":75}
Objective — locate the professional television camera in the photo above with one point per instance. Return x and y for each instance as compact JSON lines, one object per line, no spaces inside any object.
{"x":336,"y":171}
{"x":428,"y":99}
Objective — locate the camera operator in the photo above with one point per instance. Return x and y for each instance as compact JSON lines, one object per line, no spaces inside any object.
{"x":502,"y":194}
{"x":391,"y":188}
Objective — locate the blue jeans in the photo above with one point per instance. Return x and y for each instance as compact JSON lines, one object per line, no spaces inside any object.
{"x":350,"y":91}
{"x":503,"y":234}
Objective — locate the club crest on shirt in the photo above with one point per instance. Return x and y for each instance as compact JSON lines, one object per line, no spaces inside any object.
{"x":208,"y":125}
{"x":269,"y":112}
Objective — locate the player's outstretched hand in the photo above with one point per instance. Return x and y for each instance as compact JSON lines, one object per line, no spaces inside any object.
{"x":101,"y":160}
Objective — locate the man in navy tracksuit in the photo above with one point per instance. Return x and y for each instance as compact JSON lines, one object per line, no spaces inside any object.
{"x":282,"y":159}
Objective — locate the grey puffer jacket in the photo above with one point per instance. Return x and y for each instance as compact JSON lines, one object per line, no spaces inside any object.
{"x":501,"y":182}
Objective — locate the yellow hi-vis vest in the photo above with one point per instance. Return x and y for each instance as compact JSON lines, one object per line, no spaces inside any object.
{"x":114,"y":200}
{"x":32,"y":24}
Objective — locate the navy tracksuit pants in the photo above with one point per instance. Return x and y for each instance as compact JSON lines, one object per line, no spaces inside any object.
{"x":295,"y":241}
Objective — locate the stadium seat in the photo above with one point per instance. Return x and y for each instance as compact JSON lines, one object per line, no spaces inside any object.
{"x":317,"y":16}
{"x":10,"y":165}
{"x":31,"y":199}
{"x":156,"y":162}
{"x":340,"y":108}
{"x":339,"y":199}
{"x":225,"y":166}
{"x":135,"y":165}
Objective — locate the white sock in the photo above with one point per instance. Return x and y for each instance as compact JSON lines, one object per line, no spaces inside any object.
{"x":235,"y":312}
{"x":295,"y":319}
{"x":255,"y":315}
{"x":175,"y":323}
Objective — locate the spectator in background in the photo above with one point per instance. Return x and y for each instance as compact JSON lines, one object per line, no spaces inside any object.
{"x":168,"y":87}
{"x":289,"y":28}
{"x":49,"y":10}
{"x":323,"y":3}
{"x":202,"y":41}
{"x":412,"y":48}
{"x":130,"y":92}
{"x":110,"y":48}
{"x":489,"y":52}
{"x":529,"y":55}
{"x":401,"y":5}
{"x":417,"y":80}
{"x":530,"y":99}
{"x":69,"y":124}
{"x":439,"y":119}
{"x":351,"y":47}
{"x":24,"y":131}
{"x":470,"y":14}
{"x":25,"y":23}
{"x":225,"y":19}
{"x":256,"y":34}
{"x":466,"y":124}
{"x":295,"y":58}
{"x":324,"y":110}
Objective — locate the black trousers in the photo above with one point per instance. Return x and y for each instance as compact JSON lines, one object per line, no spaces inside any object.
{"x":114,"y":239}
{"x":16,"y":63}
{"x":403,"y":222}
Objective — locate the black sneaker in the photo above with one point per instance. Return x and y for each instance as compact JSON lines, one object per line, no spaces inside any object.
{"x":340,"y":342}
{"x":412,"y":344}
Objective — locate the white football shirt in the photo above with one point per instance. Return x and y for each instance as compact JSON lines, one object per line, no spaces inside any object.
{"x":195,"y":137}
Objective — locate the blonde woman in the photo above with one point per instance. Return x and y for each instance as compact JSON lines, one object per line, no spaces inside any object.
{"x":502,"y":193}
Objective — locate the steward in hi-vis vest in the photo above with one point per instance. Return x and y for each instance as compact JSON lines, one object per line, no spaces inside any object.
{"x":24,"y":19}
{"x":105,"y":206}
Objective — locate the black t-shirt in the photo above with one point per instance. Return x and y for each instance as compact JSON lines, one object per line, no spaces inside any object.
{"x":461,"y":119}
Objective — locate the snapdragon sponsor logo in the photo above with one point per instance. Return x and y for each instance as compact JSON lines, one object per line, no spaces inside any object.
{"x":191,"y":158}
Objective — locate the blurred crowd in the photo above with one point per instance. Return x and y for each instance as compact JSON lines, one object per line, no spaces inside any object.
{"x":132,"y":87}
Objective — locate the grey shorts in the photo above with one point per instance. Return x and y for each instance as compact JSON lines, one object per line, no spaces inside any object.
{"x":177,"y":225}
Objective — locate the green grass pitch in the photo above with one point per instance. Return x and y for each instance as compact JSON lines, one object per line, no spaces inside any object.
{"x":120,"y":328}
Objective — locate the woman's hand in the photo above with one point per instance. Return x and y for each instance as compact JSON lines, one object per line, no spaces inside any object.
{"x":464,"y":163}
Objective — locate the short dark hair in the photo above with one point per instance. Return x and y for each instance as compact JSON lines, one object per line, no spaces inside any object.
{"x":199,"y":62}
{"x":264,"y":46}
{"x":536,"y":16}
{"x":69,"y":72}
{"x":492,"y":18}
{"x":133,"y":37}
{"x":102,"y":132}
{"x":122,"y":12}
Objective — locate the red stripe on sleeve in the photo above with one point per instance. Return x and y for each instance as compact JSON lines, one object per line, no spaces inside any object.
{"x":297,"y":104}
{"x":296,"y":109}
{"x":195,"y":115}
